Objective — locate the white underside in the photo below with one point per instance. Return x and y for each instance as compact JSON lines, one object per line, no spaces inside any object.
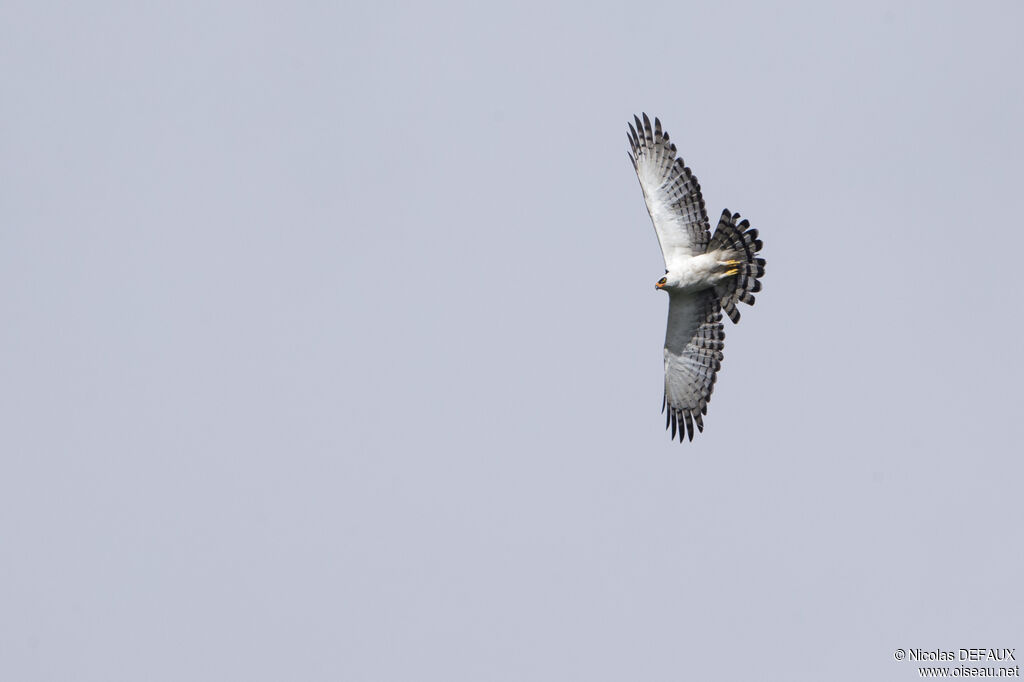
{"x":689,"y":274}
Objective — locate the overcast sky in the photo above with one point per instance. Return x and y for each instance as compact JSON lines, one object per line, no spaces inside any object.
{"x":331,"y":349}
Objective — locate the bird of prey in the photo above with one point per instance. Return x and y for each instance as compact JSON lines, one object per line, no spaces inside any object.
{"x":704,"y":273}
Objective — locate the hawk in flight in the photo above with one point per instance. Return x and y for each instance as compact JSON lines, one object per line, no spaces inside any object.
{"x":704,"y":273}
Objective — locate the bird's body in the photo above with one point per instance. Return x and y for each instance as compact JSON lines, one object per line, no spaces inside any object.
{"x":690,"y":274}
{"x":704,"y":273}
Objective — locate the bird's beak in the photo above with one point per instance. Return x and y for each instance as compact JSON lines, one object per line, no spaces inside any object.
{"x":659,"y":286}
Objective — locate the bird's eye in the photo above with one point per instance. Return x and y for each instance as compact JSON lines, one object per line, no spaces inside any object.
{"x":662,"y":280}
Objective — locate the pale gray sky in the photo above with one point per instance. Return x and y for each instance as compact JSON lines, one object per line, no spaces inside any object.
{"x":332,"y":352}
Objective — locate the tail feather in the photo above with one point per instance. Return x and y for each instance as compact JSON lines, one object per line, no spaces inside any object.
{"x":737,"y":237}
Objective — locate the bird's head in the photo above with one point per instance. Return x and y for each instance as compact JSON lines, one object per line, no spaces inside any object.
{"x":667,"y":282}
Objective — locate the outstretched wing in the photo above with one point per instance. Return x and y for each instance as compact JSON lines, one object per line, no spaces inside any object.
{"x":671,"y":191}
{"x":693,"y":355}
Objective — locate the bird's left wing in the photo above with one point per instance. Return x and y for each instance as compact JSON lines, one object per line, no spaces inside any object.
{"x":671,"y":191}
{"x":693,"y":355}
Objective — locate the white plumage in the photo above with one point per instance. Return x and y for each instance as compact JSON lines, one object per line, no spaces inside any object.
{"x":704,"y":274}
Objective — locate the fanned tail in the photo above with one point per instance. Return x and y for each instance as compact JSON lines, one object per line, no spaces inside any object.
{"x":740,"y":241}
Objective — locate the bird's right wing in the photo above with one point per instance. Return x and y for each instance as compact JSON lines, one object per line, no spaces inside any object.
{"x":693,"y":355}
{"x":671,"y":191}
